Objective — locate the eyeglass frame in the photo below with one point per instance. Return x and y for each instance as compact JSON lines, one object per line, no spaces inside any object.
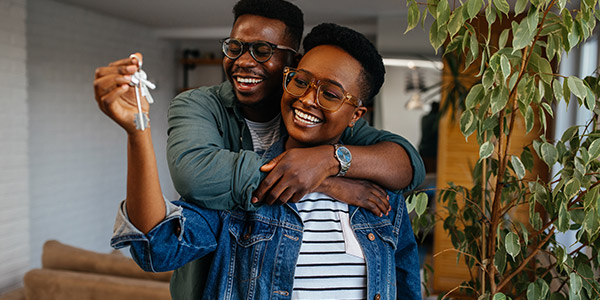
{"x":248,"y":46}
{"x":316,"y":84}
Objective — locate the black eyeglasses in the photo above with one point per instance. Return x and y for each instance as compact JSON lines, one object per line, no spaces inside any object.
{"x":330,"y":96}
{"x":261,"y":51}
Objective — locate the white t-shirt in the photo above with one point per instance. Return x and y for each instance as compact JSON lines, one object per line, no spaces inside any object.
{"x":264,"y":134}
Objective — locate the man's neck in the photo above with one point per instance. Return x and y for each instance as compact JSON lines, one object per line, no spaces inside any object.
{"x":264,"y":113}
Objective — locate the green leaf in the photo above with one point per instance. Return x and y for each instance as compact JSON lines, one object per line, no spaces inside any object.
{"x":548,"y":109}
{"x":532,"y":19}
{"x":456,"y":21}
{"x":518,"y":166}
{"x":590,"y":100}
{"x":544,"y":288}
{"x":500,"y":260}
{"x":542,"y":66}
{"x":520,"y":6}
{"x":529,"y":119}
{"x":414,"y":14}
{"x":474,"y":96}
{"x":503,"y":38}
{"x":486,"y":150}
{"x":557,"y":89}
{"x":490,"y":14}
{"x":562,"y":4}
{"x":594,"y":149}
{"x":499,"y":99}
{"x":421,"y":204}
{"x":488,"y":78}
{"x":499,"y":296}
{"x":572,"y":187}
{"x":575,"y":282}
{"x":533,"y":292}
{"x":468,"y":123}
{"x":505,"y":66}
{"x":474,"y":46}
{"x":443,"y":12}
{"x":549,"y":154}
{"x":563,"y":217}
{"x":577,"y":86}
{"x":512,"y":245}
{"x":569,"y":133}
{"x":411,"y":203}
{"x":522,"y":36}
{"x":437,"y":35}
{"x":502,"y":5}
{"x":473,"y":8}
{"x":591,"y":223}
{"x":527,"y":159}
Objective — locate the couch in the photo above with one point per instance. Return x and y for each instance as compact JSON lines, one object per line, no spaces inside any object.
{"x":70,"y":273}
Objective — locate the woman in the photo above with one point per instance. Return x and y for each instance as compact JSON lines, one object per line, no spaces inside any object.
{"x":319,"y":248}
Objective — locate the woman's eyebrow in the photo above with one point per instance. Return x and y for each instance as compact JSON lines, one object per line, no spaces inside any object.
{"x":325,"y":79}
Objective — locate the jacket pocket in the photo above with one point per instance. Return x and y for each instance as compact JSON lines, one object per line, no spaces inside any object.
{"x":251,"y":240}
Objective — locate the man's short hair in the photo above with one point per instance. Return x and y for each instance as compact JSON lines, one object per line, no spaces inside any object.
{"x":281,"y":10}
{"x":359,"y":47}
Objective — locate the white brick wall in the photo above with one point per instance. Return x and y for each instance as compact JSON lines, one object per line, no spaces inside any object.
{"x":77,"y":155}
{"x":14,"y":183}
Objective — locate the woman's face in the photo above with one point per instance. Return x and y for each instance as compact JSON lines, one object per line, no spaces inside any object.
{"x":306,"y":122}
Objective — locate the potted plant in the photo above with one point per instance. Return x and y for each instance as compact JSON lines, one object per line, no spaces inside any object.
{"x":517,"y":79}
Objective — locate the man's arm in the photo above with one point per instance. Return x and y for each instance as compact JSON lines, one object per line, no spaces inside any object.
{"x":390,"y":161}
{"x":207,"y":164}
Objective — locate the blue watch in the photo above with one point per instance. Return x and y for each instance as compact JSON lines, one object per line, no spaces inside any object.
{"x":343,"y":155}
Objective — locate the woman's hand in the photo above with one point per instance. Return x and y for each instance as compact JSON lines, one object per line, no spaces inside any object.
{"x":115,"y":97}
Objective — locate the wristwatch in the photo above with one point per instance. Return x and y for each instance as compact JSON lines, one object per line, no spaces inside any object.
{"x":343,"y":155}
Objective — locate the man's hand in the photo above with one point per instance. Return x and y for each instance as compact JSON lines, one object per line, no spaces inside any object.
{"x":114,"y":95}
{"x":295,"y":173}
{"x":357,"y":192}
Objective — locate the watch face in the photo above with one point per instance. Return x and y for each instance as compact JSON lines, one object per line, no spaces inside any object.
{"x":344,"y":154}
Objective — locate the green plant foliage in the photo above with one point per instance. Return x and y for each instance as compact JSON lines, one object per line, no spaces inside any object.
{"x":517,"y":79}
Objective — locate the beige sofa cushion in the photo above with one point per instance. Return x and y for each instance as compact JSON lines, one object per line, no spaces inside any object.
{"x":59,"y":256}
{"x":47,"y":284}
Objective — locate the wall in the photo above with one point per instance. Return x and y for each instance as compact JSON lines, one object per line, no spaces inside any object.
{"x":77,"y":155}
{"x":390,"y":112}
{"x":14,"y":183}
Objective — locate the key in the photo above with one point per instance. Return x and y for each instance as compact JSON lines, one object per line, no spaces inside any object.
{"x":140,"y":82}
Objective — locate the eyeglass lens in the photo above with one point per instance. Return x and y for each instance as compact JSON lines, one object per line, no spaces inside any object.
{"x":260,"y":51}
{"x":329,"y":96}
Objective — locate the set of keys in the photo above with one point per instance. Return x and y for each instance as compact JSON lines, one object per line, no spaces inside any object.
{"x":140,"y":82}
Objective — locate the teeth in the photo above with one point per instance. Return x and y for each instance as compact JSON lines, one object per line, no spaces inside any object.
{"x":248,"y":80}
{"x":306,"y":118}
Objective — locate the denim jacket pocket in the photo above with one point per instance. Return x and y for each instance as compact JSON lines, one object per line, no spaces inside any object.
{"x":386,"y":233}
{"x":248,"y":232}
{"x":251,"y":239}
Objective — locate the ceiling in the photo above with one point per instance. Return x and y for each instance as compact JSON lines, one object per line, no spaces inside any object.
{"x":209,"y":18}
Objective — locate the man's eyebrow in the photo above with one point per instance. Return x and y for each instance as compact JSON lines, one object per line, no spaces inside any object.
{"x":325,"y":79}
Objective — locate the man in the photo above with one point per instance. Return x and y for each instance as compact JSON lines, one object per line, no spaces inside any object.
{"x":216,"y":132}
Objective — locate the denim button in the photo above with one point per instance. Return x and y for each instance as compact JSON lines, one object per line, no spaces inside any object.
{"x":377,"y":297}
{"x":371,"y":237}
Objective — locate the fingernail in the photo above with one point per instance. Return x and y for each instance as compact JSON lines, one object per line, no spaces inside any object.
{"x":125,"y":86}
{"x":127,"y":77}
{"x":131,"y":68}
{"x":254,"y":199}
{"x":388,"y":197}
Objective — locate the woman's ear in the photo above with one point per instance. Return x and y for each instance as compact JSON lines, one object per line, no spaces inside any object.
{"x":297,"y":59}
{"x":358,"y":113}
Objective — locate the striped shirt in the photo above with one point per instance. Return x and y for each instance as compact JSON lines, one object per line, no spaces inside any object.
{"x":264,"y":134}
{"x":331,"y":264}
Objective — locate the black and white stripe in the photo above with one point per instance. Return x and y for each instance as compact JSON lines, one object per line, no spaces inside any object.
{"x":325,"y":270}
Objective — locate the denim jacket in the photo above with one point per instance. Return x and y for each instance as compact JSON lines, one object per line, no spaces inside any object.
{"x":255,"y":253}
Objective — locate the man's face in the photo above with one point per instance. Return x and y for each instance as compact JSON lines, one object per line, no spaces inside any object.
{"x":258,"y":84}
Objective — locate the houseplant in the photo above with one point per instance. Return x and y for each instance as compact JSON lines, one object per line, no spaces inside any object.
{"x":514,"y":259}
